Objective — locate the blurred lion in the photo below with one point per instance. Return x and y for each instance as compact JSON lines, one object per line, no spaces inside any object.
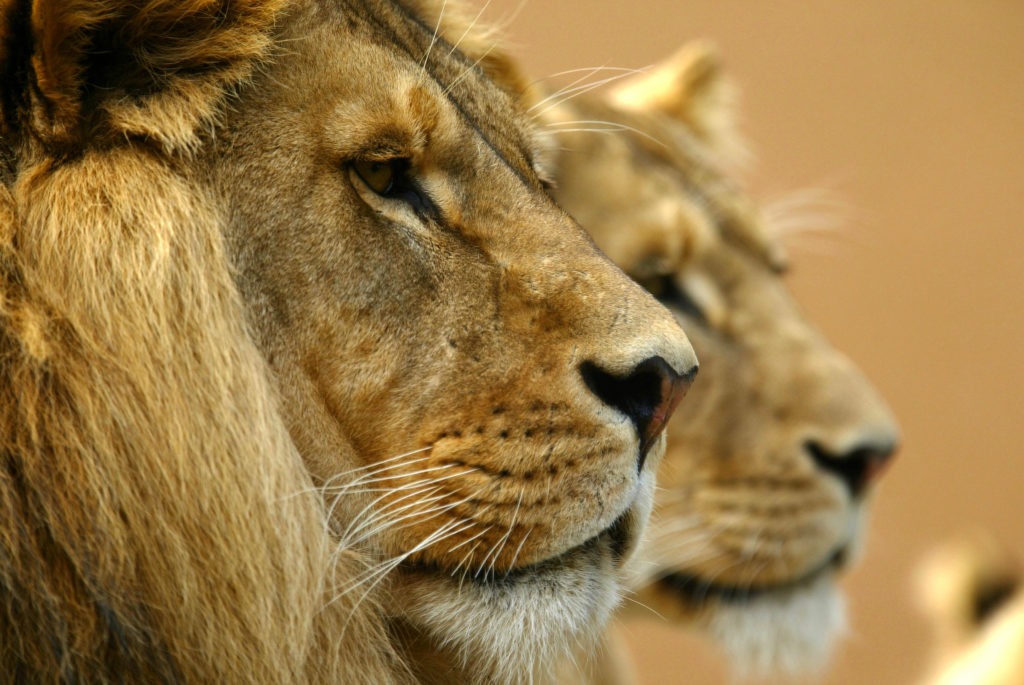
{"x":772,"y":461}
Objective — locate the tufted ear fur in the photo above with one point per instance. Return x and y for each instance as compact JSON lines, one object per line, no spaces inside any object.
{"x":156,"y":69}
{"x":689,"y":86}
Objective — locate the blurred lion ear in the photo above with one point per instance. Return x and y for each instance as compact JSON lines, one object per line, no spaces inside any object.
{"x":689,"y":86}
{"x":156,"y":68}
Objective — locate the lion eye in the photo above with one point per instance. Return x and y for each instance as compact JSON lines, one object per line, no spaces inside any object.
{"x":667,"y":291}
{"x":378,"y":176}
{"x":392,"y":180}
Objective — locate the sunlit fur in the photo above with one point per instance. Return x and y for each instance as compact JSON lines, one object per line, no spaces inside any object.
{"x":647,"y":169}
{"x":971,"y":590}
{"x":261,"y":421}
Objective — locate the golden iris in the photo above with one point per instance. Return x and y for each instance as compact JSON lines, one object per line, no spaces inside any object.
{"x":379,"y":176}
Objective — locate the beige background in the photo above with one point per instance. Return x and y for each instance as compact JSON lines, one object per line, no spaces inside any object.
{"x":913,"y":111}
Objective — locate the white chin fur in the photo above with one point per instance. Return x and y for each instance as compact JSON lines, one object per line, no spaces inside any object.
{"x":786,"y":635}
{"x":523,"y":631}
{"x":518,"y":632}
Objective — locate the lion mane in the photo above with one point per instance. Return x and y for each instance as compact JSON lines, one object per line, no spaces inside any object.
{"x":156,"y":522}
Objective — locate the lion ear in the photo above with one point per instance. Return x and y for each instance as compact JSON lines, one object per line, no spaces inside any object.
{"x":689,"y":86}
{"x":156,"y":68}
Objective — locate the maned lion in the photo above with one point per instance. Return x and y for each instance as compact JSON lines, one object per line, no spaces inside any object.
{"x":298,"y":359}
{"x":971,"y":588}
{"x":771,"y":461}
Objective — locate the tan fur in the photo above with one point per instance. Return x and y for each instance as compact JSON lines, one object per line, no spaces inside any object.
{"x":742,"y":505}
{"x":971,"y":589}
{"x":261,"y":422}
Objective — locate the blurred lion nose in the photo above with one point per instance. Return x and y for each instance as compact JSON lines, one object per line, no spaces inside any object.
{"x":648,"y":394}
{"x":857,"y":467}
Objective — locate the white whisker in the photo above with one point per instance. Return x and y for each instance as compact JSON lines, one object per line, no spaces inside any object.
{"x":370,"y":469}
{"x":443,"y":532}
{"x":361,"y":520}
{"x":404,"y":486}
{"x":420,"y":516}
{"x":433,"y":38}
{"x":374,"y":468}
{"x":500,"y":545}
{"x":649,"y":608}
{"x":382,"y":462}
{"x":468,"y":70}
{"x":519,"y":548}
{"x":592,"y":70}
{"x":568,"y":94}
{"x":389,"y":522}
{"x":406,"y":474}
{"x":463,"y":562}
{"x":806,"y":219}
{"x":565,"y":89}
{"x":575,"y":89}
{"x":469,"y":28}
{"x":379,"y":573}
{"x":612,"y":127}
{"x":469,"y":540}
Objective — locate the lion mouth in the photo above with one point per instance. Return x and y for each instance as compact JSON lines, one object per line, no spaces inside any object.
{"x":697,"y":591}
{"x":615,"y":541}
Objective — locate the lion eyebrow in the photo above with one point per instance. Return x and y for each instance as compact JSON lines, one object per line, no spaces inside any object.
{"x":461,"y":92}
{"x":387,"y":144}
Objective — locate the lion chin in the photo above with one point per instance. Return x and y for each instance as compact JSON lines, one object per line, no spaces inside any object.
{"x":509,"y":626}
{"x":787,"y":628}
{"x":789,"y":632}
{"x":492,"y":623}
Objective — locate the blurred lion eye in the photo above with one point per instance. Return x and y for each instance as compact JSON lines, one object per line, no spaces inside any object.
{"x":666,"y":289}
{"x":378,"y":176}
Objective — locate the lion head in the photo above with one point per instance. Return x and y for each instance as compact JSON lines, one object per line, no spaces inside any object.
{"x":301,"y":352}
{"x":772,"y":461}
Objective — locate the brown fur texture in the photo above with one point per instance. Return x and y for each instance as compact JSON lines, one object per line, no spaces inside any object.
{"x":754,"y":517}
{"x":970,"y":588}
{"x":157,"y":522}
{"x":261,"y":421}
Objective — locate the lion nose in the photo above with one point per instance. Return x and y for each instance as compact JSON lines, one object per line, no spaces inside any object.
{"x":857,"y":467}
{"x":648,"y":394}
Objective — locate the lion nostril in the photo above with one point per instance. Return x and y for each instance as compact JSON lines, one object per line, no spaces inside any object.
{"x":648,"y":395}
{"x":856,"y":468}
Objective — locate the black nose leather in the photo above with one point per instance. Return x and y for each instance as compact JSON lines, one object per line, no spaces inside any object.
{"x":648,"y":395}
{"x":857,"y":468}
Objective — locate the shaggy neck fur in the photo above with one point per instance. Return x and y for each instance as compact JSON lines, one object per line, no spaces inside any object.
{"x":156,"y":522}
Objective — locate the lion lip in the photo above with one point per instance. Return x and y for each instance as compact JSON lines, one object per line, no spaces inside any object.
{"x":618,"y":537}
{"x":695,"y":590}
